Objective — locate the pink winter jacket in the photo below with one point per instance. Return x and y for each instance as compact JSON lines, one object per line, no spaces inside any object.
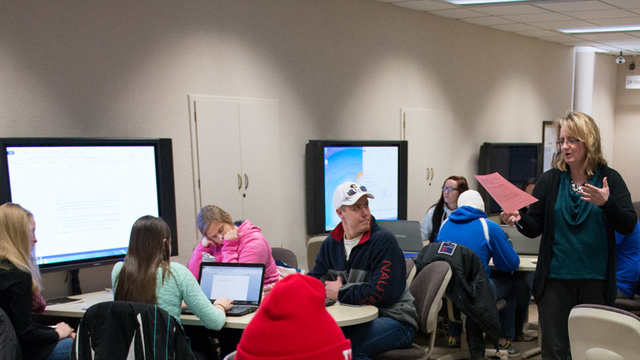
{"x":249,"y":247}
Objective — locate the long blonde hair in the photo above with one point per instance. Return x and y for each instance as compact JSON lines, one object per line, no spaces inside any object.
{"x":582,"y":127}
{"x":15,"y":242}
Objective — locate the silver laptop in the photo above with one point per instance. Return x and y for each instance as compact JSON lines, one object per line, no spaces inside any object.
{"x":521,"y":244}
{"x":241,"y":283}
{"x":407,"y":232}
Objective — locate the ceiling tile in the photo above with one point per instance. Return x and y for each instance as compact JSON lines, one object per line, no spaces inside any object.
{"x":488,"y":20}
{"x":575,"y":6}
{"x":426,"y":5}
{"x":538,"y":17}
{"x":552,"y":25}
{"x":457,"y":13}
{"x":514,"y":27}
{"x":509,"y":10}
{"x":539,"y":33}
{"x":615,"y":22}
{"x":623,"y":4}
{"x":601,"y":14}
{"x":607,"y":37}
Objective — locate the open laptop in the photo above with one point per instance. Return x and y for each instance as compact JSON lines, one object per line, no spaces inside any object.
{"x":521,"y":244}
{"x":239,"y":282}
{"x":407,"y":232}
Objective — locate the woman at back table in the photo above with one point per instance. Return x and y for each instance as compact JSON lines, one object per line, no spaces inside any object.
{"x":226,"y":241}
{"x":581,"y":204}
{"x":438,"y":212}
{"x":20,"y":287}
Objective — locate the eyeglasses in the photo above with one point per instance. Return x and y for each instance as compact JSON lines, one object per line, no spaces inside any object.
{"x":449,"y":189}
{"x":569,"y":141}
{"x":354,"y":190}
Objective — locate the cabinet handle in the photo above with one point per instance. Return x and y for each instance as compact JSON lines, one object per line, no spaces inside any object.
{"x":239,"y":182}
{"x":427,"y":174}
{"x":246,"y":182}
{"x":433,"y":173}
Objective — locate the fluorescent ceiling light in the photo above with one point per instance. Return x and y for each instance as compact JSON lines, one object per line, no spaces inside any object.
{"x":600,"y":29}
{"x":474,"y":2}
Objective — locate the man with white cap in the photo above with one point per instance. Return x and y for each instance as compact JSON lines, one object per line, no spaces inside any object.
{"x":361,"y":263}
{"x":469,"y":226}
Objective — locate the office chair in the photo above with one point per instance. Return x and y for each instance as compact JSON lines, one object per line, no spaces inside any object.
{"x":427,"y":288}
{"x":599,"y":332}
{"x":285,"y":255}
{"x":313,"y":247}
{"x":9,"y":345}
{"x":411,"y":270}
{"x":129,"y":330}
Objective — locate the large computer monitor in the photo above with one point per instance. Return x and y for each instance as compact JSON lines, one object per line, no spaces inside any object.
{"x":86,"y":193}
{"x":381,"y":166}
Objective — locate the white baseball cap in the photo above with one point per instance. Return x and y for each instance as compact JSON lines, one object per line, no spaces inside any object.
{"x":471,"y":198}
{"x":348,"y":193}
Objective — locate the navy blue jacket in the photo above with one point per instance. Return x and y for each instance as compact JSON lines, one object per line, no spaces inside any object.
{"x":375,"y":273}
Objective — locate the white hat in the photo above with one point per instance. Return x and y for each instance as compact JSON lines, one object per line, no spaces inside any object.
{"x":349,"y":193}
{"x":471,"y":198}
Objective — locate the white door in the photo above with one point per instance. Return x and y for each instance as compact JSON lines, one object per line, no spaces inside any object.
{"x":236,"y":159}
{"x":428,"y":133}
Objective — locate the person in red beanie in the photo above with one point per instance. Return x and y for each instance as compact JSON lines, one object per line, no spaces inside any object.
{"x":361,"y":263}
{"x":293,"y":324}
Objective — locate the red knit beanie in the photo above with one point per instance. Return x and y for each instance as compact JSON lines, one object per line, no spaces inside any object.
{"x":293,"y":324}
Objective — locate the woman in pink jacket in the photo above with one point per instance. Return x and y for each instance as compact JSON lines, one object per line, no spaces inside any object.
{"x":239,"y":242}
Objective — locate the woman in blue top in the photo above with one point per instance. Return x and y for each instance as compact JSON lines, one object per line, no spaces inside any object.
{"x":582,"y":203}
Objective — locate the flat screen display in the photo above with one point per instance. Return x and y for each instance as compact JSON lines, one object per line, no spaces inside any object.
{"x":86,"y":194}
{"x":378,"y":165}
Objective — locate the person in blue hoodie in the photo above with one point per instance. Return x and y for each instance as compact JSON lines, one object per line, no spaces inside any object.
{"x":469,"y":226}
{"x":628,"y":263}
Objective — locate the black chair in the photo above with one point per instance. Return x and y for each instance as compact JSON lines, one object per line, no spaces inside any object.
{"x":129,"y":330}
{"x":285,"y":255}
{"x":9,"y":346}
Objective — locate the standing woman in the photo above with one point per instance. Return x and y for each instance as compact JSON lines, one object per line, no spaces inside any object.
{"x":239,"y":242}
{"x":582,"y":203}
{"x":20,"y":286}
{"x":438,"y":212}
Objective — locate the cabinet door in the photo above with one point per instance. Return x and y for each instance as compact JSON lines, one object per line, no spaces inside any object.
{"x":218,"y":156}
{"x":428,"y":133}
{"x":260,"y":148}
{"x":237,"y":159}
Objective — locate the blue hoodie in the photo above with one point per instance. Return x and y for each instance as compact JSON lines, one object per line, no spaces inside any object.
{"x":464,"y":227}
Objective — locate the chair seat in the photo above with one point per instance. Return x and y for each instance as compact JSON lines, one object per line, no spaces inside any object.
{"x":415,"y":352}
{"x":632,"y":305}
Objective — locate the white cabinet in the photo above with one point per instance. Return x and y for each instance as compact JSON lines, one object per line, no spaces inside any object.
{"x":428,"y":133}
{"x":236,"y":159}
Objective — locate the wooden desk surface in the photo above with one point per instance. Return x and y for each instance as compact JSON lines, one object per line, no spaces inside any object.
{"x":345,"y":315}
{"x":527,"y":263}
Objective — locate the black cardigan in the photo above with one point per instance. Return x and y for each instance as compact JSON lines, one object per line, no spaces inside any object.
{"x":37,"y":341}
{"x":539,"y":220}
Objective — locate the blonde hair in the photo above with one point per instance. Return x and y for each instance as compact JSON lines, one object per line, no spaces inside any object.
{"x":15,"y":242}
{"x":582,"y":127}
{"x":210,"y":214}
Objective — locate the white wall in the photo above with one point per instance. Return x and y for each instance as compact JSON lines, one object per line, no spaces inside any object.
{"x":340,"y":69}
{"x":627,"y":128}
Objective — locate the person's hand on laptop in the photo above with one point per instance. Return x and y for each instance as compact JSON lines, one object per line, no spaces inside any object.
{"x":224,"y":304}
{"x":332,"y":288}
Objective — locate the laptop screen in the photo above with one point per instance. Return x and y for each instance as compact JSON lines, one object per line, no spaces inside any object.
{"x":407,"y":232}
{"x":241,"y":283}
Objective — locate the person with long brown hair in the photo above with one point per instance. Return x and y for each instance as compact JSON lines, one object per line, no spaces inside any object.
{"x":452,"y":187}
{"x":581,"y":204}
{"x":148,"y":276}
{"x":21,"y":286}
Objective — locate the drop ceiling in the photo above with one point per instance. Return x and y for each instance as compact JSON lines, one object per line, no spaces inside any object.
{"x":541,"y":19}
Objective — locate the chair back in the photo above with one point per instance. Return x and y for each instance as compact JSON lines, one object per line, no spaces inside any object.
{"x":411,"y":270}
{"x":9,"y":346}
{"x":129,"y":330}
{"x":285,"y":255}
{"x":313,"y":247}
{"x":428,"y":289}
{"x":599,"y":332}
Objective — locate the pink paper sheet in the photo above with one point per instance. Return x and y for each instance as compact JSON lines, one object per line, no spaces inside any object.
{"x":507,"y":195}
